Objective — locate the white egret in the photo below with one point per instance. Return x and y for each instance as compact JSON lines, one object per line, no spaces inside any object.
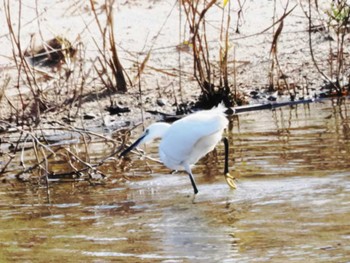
{"x":187,"y":140}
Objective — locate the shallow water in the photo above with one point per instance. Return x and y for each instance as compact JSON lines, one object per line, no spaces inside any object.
{"x":292,"y":202}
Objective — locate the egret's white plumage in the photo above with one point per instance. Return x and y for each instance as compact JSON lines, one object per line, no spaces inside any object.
{"x":187,"y":140}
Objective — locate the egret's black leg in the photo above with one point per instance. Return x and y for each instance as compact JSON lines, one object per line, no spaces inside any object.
{"x":188,"y":170}
{"x":225,"y":140}
{"x":193,"y":183}
{"x":229,"y":178}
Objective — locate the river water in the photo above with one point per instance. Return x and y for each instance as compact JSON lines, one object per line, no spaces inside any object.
{"x":292,"y":203}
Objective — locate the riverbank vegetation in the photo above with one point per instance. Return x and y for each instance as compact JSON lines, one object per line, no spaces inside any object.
{"x":110,"y":69}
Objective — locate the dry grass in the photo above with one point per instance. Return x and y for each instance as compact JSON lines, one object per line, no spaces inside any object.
{"x":214,"y":88}
{"x":61,"y":74}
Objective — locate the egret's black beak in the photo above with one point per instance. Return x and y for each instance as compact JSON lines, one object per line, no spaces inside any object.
{"x":132,"y":146}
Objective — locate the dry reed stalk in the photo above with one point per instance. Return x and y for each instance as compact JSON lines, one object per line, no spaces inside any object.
{"x":109,"y":60}
{"x":211,"y":94}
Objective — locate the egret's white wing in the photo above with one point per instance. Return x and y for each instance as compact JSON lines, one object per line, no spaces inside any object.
{"x":203,"y":128}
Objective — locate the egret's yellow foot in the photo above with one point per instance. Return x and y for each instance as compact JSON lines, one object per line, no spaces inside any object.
{"x":230,"y":180}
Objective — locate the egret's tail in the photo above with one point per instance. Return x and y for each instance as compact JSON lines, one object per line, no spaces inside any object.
{"x":222,"y":108}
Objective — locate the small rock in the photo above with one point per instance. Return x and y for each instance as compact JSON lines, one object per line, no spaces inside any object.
{"x":12,"y":129}
{"x":25,"y":177}
{"x":97,"y":176}
{"x":161,"y":102}
{"x":89,"y":116}
{"x":272,"y":98}
{"x":116,"y":109}
{"x":254,"y":94}
{"x":68,"y":120}
{"x":2,"y":129}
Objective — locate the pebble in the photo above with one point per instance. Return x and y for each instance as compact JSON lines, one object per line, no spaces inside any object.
{"x":89,"y":116}
{"x":161,"y":102}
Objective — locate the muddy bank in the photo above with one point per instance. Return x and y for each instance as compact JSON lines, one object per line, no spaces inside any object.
{"x":147,"y":37}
